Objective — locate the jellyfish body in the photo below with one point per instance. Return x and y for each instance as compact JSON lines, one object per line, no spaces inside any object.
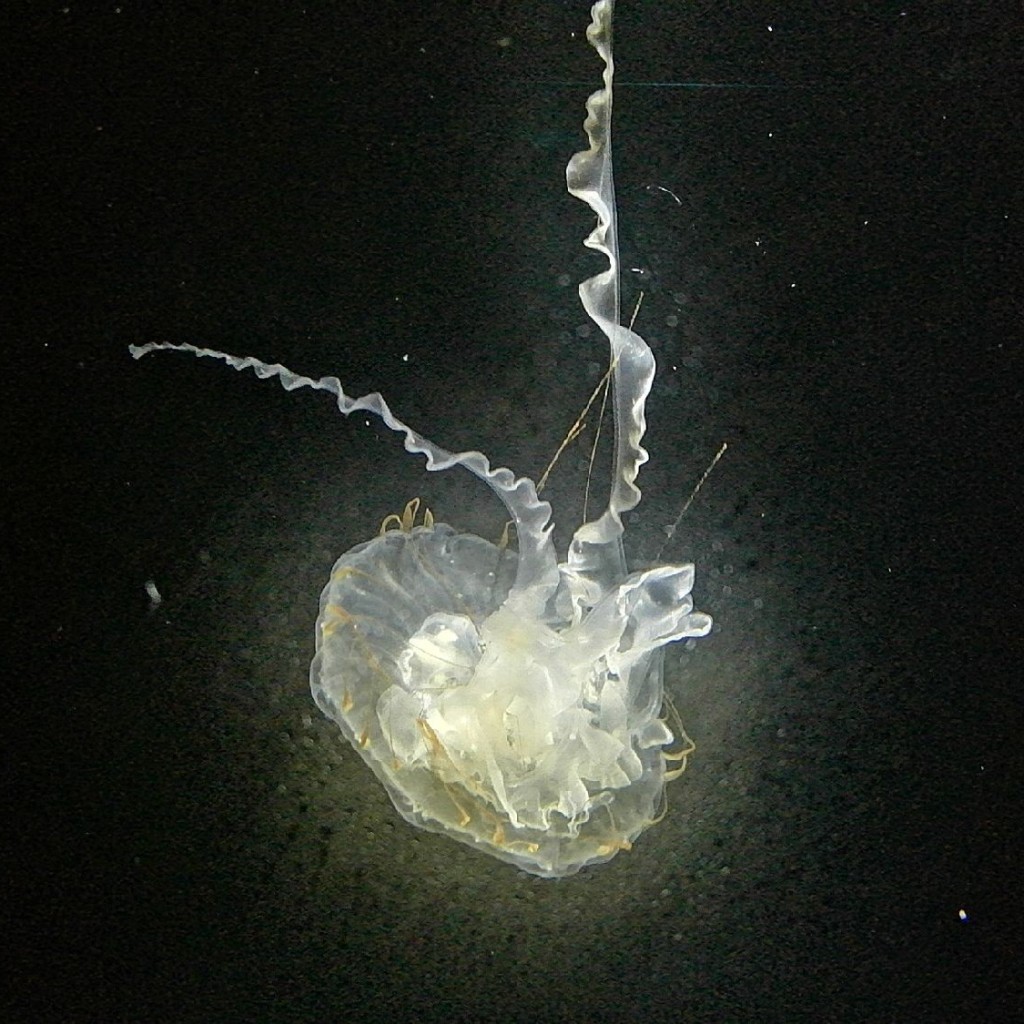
{"x":536,"y":738}
{"x":512,"y":700}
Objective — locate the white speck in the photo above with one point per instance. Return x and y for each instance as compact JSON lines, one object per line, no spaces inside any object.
{"x":154,"y":595}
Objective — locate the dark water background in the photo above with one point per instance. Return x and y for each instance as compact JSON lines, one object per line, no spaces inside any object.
{"x":376,"y":191}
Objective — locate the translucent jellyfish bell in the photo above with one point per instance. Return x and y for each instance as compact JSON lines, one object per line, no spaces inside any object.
{"x":512,"y":699}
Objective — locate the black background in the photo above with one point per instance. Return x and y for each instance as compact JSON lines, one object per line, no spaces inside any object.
{"x":822,"y":218}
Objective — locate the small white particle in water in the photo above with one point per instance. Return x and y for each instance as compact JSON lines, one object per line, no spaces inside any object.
{"x":154,"y":595}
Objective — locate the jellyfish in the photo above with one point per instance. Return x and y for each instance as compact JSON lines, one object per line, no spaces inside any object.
{"x":509,"y":696}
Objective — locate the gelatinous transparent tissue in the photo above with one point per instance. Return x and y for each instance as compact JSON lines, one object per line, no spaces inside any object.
{"x":512,"y":699}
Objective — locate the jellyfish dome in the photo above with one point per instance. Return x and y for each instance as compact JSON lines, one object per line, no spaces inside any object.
{"x":512,"y":699}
